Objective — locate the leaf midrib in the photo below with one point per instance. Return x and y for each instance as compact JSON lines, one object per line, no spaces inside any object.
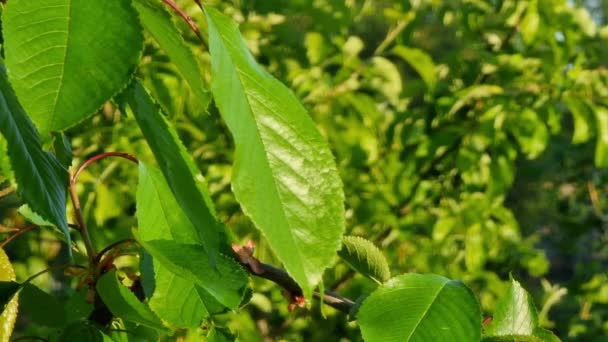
{"x":426,"y":311}
{"x":62,"y":73}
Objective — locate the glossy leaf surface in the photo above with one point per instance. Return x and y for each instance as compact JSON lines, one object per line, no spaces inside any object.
{"x":420,"y":307}
{"x":284,"y":174}
{"x":8,"y":310}
{"x":67,"y":57}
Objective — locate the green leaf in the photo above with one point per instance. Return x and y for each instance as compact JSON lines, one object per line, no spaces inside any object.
{"x":364,"y":257}
{"x":516,"y":315}
{"x":583,"y":118}
{"x":123,"y":303}
{"x":8,"y":289}
{"x":421,"y":62}
{"x":180,"y":301}
{"x":83,"y":331}
{"x":41,"y":178}
{"x":474,"y":92}
{"x":475,"y":253}
{"x":40,"y":307}
{"x":284,"y":175}
{"x":530,"y":132}
{"x":420,"y":307}
{"x":530,"y":22}
{"x":158,"y":22}
{"x":178,"y":168}
{"x":8,"y":307}
{"x":226,"y":282}
{"x":217,"y":334}
{"x":67,"y":57}
{"x":601,"y":147}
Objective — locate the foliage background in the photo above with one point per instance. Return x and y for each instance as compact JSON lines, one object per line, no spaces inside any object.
{"x":470,"y":136}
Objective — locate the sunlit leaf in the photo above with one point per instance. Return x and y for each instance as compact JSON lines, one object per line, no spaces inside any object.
{"x":284,"y":175}
{"x":364,"y":257}
{"x":421,"y":308}
{"x":67,"y":57}
{"x":420,"y":61}
{"x":516,"y":316}
{"x":9,"y":305}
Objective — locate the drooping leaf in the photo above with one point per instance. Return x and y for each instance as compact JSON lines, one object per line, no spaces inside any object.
{"x":474,"y":92}
{"x":420,"y":307}
{"x":158,"y":22}
{"x":364,"y":257}
{"x":123,"y":303}
{"x":67,"y":57}
{"x":41,"y":178}
{"x":8,"y":307}
{"x":179,"y":170}
{"x":161,"y":218}
{"x":226,"y":282}
{"x":41,"y":307}
{"x":530,"y":22}
{"x":516,"y":317}
{"x":420,"y":61}
{"x":284,"y":175}
{"x":530,"y":132}
{"x":601,"y":147}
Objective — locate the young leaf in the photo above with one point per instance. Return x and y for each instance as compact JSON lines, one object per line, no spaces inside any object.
{"x":583,"y":117}
{"x":284,"y":175}
{"x":123,"y":303}
{"x":67,"y":57}
{"x":8,"y":307}
{"x":364,"y":257}
{"x":42,"y":179}
{"x":516,"y":317}
{"x":179,"y":170}
{"x":159,"y":24}
{"x":420,"y":307}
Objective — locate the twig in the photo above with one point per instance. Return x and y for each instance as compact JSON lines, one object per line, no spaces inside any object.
{"x":101,"y":156}
{"x":17,"y":234}
{"x":6,"y":191}
{"x":281,"y":278}
{"x":84,"y":231}
{"x":186,"y":17}
{"x":112,"y":246}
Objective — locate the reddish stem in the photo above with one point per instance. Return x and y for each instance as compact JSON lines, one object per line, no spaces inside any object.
{"x":17,"y":234}
{"x":186,"y":17}
{"x":101,"y":156}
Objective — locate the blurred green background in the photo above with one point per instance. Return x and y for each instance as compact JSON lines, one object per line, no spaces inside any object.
{"x":471,"y":137}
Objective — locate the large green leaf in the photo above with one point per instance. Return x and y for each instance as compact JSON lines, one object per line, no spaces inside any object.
{"x":175,"y":299}
{"x":67,"y":57}
{"x":159,"y":24}
{"x":41,"y":178}
{"x":284,"y":175}
{"x":9,"y":306}
{"x":178,"y":168}
{"x":364,"y":257}
{"x":41,"y":307}
{"x":420,"y":307}
{"x":516,"y":317}
{"x":123,"y":303}
{"x":83,"y":331}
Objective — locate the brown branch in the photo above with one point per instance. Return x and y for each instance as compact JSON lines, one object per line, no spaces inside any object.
{"x":186,"y":18}
{"x":17,"y":234}
{"x":112,"y":246}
